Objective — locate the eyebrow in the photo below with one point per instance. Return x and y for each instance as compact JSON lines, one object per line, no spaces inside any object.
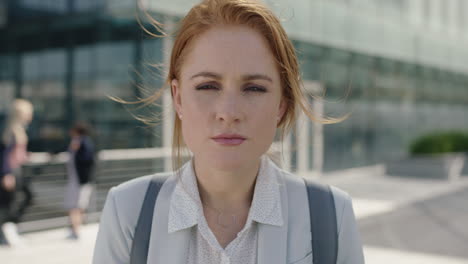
{"x":248,"y":77}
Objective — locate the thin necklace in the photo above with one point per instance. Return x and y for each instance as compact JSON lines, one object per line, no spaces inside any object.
{"x":224,"y":220}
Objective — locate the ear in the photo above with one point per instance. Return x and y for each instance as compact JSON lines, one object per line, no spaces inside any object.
{"x":282,"y":109}
{"x":176,"y":97}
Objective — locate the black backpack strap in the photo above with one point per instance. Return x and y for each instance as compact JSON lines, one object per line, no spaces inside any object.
{"x":322,"y":223}
{"x":139,"y":252}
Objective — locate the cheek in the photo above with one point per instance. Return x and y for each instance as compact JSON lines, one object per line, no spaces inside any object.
{"x":194,"y":108}
{"x":265,"y":121}
{"x":194,"y":118}
{"x":192,"y":133}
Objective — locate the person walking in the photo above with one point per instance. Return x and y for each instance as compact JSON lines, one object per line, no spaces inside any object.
{"x":80,"y":167}
{"x":14,"y":154}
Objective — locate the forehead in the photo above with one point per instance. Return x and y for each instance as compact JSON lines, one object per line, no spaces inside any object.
{"x":230,"y":50}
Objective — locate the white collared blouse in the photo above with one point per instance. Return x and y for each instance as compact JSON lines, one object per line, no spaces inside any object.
{"x":277,"y":230}
{"x":185,"y":211}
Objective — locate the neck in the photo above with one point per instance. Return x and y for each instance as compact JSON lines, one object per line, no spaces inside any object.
{"x":226,"y":191}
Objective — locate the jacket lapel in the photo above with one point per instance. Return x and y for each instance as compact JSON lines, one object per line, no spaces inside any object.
{"x":273,"y":240}
{"x":165,"y":247}
{"x":169,"y":248}
{"x":272,"y":244}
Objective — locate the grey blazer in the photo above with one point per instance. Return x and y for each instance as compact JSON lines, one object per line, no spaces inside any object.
{"x":290,"y":243}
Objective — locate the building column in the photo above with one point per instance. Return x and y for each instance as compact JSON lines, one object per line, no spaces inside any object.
{"x":315,"y":88}
{"x":317,"y":139}
{"x":463,"y":18}
{"x":452,"y":16}
{"x":286,"y":155}
{"x":302,"y":144}
{"x":435,"y":14}
{"x":415,"y":13}
{"x":168,"y":113}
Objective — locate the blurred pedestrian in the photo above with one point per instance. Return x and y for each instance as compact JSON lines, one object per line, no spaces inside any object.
{"x":80,"y":167}
{"x":235,"y":82}
{"x":13,"y":155}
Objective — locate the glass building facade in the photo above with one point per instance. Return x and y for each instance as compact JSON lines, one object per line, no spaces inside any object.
{"x":68,"y":58}
{"x":399,"y":67}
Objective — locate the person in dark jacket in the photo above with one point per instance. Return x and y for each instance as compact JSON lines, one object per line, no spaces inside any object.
{"x":80,"y":168}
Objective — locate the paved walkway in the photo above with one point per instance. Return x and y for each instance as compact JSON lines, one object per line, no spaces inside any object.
{"x":50,"y":247}
{"x":374,"y":196}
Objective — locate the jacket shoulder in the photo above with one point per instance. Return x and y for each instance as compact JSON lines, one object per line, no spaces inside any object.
{"x":138,"y":184}
{"x":128,"y":197}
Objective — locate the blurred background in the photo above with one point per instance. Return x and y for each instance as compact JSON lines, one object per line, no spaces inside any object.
{"x":399,"y":67}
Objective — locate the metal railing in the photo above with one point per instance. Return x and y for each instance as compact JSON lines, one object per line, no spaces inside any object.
{"x":48,"y":180}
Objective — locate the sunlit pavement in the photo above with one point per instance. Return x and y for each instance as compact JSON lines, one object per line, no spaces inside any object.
{"x":52,"y":247}
{"x":382,"y":203}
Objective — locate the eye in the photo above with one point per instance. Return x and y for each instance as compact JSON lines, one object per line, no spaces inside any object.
{"x":255,"y":89}
{"x":207,"y":87}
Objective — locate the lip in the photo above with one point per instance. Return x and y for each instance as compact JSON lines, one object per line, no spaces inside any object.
{"x":229,"y":139}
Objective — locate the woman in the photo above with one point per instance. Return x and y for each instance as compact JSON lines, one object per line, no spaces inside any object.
{"x":79,"y":170}
{"x":235,"y":80}
{"x":14,"y":155}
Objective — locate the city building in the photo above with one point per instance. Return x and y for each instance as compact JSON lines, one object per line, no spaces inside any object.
{"x":398,"y":67}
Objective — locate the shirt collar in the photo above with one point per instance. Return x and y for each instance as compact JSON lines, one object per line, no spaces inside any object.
{"x":185,"y":201}
{"x":185,"y":205}
{"x":266,"y":203}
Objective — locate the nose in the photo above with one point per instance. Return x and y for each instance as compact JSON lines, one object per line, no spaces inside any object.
{"x":229,"y":109}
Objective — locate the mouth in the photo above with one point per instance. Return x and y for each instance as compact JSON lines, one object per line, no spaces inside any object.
{"x":229,"y":139}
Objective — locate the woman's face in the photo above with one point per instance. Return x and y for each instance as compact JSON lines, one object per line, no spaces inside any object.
{"x":229,"y":97}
